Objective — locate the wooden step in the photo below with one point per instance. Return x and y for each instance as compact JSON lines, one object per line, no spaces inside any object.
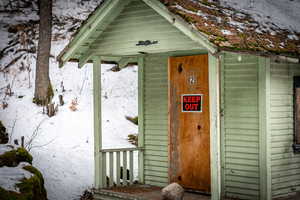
{"x":110,"y":195}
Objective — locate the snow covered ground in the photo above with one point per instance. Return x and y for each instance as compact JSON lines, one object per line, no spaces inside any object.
{"x":63,"y":147}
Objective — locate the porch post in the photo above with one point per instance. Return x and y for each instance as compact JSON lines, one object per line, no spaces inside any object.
{"x":97,"y":122}
{"x":141,"y":116}
{"x":214,"y":106}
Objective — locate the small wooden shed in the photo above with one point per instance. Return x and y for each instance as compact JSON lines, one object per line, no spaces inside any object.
{"x":218,"y":97}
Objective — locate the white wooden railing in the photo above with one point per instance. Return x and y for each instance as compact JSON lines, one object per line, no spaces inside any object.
{"x":118,"y":166}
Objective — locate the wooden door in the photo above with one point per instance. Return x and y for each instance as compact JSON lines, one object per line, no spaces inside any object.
{"x":189,"y":130}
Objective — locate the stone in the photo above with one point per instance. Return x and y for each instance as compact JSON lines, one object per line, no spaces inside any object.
{"x":174,"y":191}
{"x":29,"y":187}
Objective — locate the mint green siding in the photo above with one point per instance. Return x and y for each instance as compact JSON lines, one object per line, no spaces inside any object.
{"x":285,"y":165}
{"x":138,"y":22}
{"x":156,"y":120}
{"x":240,"y":126}
{"x":245,"y":163}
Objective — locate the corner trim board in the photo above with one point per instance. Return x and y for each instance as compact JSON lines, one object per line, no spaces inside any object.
{"x":264,"y":128}
{"x":222,"y":90}
{"x":214,"y":105}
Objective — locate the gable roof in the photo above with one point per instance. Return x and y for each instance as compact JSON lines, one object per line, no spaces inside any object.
{"x":231,"y":29}
{"x":213,"y":26}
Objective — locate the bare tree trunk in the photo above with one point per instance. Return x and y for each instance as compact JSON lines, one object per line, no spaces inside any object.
{"x":43,"y":90}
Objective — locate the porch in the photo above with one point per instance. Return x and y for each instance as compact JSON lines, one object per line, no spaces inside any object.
{"x":121,"y":178}
{"x":149,"y":163}
{"x":140,"y":192}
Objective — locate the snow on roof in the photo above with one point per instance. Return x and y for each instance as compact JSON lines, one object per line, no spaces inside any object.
{"x":232,"y":29}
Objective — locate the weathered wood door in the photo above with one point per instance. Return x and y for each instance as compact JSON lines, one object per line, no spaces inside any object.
{"x":189,"y":132}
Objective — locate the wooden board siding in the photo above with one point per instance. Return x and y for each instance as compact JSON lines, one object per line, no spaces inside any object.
{"x":156,"y":120}
{"x":240,"y":131}
{"x":138,"y":22}
{"x":285,"y":165}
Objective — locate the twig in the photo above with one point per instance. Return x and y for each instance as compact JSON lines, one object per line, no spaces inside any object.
{"x":43,"y":145}
{"x":2,"y":52}
{"x":28,"y":145}
{"x":13,"y":81}
{"x":12,"y":62}
{"x":10,"y":87}
{"x":12,"y":129}
{"x":83,"y":82}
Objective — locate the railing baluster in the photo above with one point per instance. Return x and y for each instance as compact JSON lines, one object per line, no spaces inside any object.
{"x":111,"y":169}
{"x":118,"y":168}
{"x":123,"y":172}
{"x":131,"y":167}
{"x":104,"y":170}
{"x":124,"y":168}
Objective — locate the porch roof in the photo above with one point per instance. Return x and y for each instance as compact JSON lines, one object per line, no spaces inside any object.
{"x":211,"y":25}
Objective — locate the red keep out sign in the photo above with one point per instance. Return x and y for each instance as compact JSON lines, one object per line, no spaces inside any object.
{"x":191,"y":102}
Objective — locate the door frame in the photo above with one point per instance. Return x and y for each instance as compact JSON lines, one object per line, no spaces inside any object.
{"x":214,"y":105}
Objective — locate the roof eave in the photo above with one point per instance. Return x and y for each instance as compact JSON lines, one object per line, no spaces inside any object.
{"x":182,"y":25}
{"x":88,"y":28}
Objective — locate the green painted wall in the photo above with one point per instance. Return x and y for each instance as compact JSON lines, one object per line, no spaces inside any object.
{"x":156,"y":120}
{"x":285,"y":165}
{"x":138,"y":22}
{"x":240,"y":126}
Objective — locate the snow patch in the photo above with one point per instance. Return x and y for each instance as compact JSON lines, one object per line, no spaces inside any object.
{"x":199,"y":13}
{"x":5,"y":148}
{"x":10,"y":176}
{"x":226,"y":32}
{"x":293,"y":37}
{"x":285,"y":13}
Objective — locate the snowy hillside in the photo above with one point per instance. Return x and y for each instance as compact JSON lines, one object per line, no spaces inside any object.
{"x":62,"y":146}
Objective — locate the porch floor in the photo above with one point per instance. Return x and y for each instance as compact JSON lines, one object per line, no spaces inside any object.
{"x":140,"y":192}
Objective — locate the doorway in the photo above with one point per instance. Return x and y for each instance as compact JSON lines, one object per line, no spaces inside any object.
{"x":189,"y":122}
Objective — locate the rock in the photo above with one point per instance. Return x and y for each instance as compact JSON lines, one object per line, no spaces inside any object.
{"x":14,"y":157}
{"x":3,"y":134}
{"x":174,"y":191}
{"x":28,"y":187}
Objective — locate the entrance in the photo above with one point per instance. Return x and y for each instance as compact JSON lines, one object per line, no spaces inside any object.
{"x":189,"y":123}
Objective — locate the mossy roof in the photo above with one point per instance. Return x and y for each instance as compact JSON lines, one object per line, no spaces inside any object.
{"x":230,"y":29}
